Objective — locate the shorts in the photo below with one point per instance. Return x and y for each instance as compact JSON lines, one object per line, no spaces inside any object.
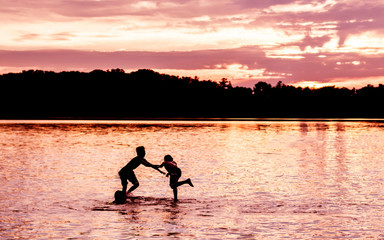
{"x":128,"y":175}
{"x":174,"y":179}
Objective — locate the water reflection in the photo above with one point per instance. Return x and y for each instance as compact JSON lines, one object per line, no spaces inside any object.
{"x":265,"y":179}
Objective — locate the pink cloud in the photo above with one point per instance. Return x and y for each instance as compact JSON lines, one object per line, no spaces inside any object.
{"x":309,"y":41}
{"x":351,"y":18}
{"x":261,"y":4}
{"x":310,"y":68}
{"x":338,"y":20}
{"x":202,"y":59}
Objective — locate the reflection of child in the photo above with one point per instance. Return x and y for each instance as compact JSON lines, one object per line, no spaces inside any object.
{"x":175,"y":173}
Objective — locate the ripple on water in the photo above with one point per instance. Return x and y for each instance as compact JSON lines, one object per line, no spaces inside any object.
{"x":253,"y":180}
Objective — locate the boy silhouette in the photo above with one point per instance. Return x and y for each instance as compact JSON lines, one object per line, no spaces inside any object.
{"x":175,"y":173}
{"x":127,"y":174}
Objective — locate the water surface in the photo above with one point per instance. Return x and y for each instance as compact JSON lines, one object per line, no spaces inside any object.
{"x":253,"y":180}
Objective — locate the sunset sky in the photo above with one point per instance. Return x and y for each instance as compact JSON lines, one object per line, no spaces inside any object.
{"x":304,"y":42}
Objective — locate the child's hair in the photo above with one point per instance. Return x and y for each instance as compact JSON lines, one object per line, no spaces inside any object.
{"x":168,"y":158}
{"x":119,"y":197}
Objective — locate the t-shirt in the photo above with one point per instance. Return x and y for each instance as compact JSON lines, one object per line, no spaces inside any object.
{"x":171,"y":166}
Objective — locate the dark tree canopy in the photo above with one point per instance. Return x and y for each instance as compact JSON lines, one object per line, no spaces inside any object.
{"x":149,"y":94}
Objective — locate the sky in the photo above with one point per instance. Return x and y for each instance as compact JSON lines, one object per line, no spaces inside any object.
{"x":299,"y":42}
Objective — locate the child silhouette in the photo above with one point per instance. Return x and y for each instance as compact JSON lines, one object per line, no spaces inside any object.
{"x":174,"y":173}
{"x":127,"y":174}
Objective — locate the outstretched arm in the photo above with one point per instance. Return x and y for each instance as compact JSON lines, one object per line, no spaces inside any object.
{"x":159,"y":170}
{"x":148,"y":164}
{"x":160,"y":166}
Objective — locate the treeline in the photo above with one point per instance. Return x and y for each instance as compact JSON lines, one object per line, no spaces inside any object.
{"x":148,"y":94}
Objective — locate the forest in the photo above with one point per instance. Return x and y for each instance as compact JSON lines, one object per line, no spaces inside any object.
{"x":115,"y":94}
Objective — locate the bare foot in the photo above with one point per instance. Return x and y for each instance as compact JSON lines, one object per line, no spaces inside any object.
{"x":190,"y":182}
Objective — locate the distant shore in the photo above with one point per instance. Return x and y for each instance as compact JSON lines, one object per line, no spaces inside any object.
{"x":146,"y":94}
{"x":194,"y":119}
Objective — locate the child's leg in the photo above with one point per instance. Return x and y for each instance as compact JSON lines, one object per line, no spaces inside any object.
{"x":173,"y":183}
{"x":188,"y":181}
{"x":175,"y":194}
{"x":132,"y":178}
{"x":175,"y":180}
{"x":135,"y":185}
{"x":124,"y":183}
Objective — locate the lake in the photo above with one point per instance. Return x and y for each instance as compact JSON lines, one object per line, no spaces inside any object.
{"x":253,"y":180}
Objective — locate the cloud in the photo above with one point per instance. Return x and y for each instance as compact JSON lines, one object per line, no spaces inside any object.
{"x":61,"y":36}
{"x":311,"y":67}
{"x":261,"y":4}
{"x":28,"y":36}
{"x":309,"y":41}
{"x":345,"y":18}
{"x":203,"y":59}
{"x":289,"y":40}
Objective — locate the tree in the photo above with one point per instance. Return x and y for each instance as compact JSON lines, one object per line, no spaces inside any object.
{"x":262,"y":88}
{"x":225,"y":84}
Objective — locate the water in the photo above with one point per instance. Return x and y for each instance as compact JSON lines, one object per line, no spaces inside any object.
{"x":253,"y":180}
